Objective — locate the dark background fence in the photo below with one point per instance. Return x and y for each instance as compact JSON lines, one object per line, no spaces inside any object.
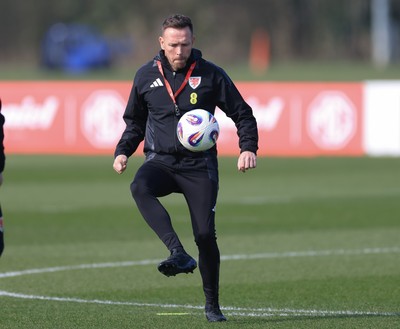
{"x":296,"y":29}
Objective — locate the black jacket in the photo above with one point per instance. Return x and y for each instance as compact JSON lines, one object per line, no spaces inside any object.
{"x":2,"y":156}
{"x":150,"y":112}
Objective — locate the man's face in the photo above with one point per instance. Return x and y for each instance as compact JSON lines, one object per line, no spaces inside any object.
{"x":177,"y":45}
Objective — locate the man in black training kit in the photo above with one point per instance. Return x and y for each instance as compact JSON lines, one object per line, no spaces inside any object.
{"x":2,"y":163}
{"x":163,"y":90}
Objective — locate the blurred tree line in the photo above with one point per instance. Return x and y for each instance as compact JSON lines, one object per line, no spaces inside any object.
{"x":297,"y":29}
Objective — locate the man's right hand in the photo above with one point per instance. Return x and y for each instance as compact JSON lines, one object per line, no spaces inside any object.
{"x":120,"y":163}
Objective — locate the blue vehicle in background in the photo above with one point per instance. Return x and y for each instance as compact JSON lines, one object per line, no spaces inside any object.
{"x":76,"y":48}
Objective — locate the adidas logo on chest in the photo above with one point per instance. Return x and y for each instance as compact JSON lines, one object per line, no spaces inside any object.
{"x":157,"y":83}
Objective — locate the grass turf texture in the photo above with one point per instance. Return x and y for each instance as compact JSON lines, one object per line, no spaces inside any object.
{"x":306,"y":243}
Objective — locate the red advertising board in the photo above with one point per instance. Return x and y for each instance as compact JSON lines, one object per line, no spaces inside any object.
{"x":305,"y":119}
{"x":294,"y":119}
{"x":63,"y":117}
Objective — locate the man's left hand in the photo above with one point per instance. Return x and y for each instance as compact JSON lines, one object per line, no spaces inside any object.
{"x":247,"y":160}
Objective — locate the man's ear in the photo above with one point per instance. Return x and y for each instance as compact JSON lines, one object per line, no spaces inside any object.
{"x":161,"y":40}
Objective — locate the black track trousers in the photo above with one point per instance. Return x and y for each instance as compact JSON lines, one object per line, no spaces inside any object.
{"x":197,"y":179}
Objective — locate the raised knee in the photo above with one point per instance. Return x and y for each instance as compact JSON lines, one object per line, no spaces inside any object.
{"x":136,"y":189}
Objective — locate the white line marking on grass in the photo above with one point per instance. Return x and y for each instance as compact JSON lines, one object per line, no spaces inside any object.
{"x":78,"y":267}
{"x":92,"y":301}
{"x":291,"y":312}
{"x":315,"y":253}
{"x":233,"y":311}
{"x":288,"y":254}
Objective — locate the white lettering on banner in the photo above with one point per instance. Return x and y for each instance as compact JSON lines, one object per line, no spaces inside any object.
{"x":331,"y":120}
{"x":267,"y":115}
{"x":101,"y":115}
{"x":30,"y":114}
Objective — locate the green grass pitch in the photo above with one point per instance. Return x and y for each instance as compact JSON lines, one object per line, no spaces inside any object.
{"x":305,"y":243}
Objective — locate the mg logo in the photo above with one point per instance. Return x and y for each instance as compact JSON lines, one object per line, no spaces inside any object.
{"x":101,"y":118}
{"x":331,"y":120}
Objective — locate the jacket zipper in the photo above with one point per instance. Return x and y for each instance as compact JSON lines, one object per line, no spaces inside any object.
{"x":176,"y":116}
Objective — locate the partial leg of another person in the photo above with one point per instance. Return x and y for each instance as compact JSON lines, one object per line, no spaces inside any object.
{"x":1,"y":232}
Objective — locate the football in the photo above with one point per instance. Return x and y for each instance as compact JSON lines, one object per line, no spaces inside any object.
{"x":198,"y":130}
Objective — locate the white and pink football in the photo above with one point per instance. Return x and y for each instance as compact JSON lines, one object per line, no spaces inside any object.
{"x":198,"y":130}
